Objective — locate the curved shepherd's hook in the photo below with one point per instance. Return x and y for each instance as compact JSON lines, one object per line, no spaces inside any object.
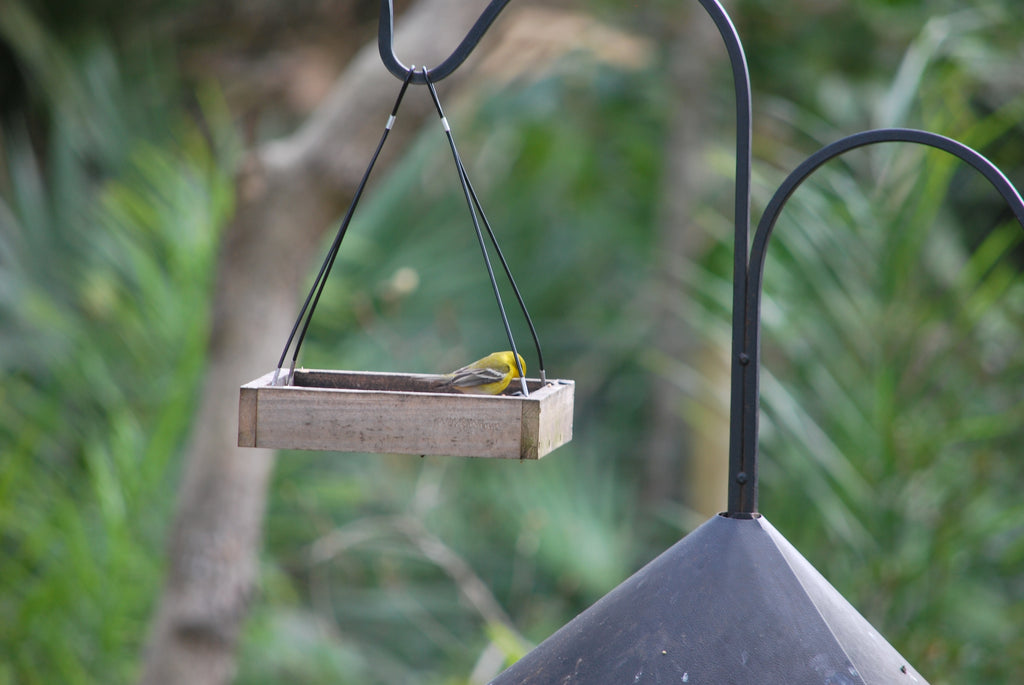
{"x":385,"y":43}
{"x":744,"y":487}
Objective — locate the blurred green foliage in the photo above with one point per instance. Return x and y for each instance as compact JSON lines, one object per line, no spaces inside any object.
{"x":894,"y":313}
{"x":111,"y":207}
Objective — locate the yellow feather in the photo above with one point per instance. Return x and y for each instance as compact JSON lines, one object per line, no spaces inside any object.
{"x":487,"y":376}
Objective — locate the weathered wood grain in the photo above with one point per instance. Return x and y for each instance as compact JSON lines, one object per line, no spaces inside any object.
{"x":355,"y":411}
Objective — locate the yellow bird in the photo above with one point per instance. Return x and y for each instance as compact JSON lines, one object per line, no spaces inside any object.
{"x":487,"y":376}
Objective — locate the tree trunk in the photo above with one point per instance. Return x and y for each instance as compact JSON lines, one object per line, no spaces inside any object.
{"x":686,"y":464}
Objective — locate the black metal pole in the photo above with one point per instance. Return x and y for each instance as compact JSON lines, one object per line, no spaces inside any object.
{"x":742,"y":445}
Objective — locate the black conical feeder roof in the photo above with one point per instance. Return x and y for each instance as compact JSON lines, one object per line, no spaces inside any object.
{"x":732,"y":602}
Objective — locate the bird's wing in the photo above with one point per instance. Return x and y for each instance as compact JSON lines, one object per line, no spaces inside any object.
{"x":468,"y":376}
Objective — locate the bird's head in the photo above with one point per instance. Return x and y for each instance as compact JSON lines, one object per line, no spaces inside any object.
{"x":510,"y":360}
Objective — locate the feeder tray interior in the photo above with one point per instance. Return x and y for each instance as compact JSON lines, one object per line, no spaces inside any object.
{"x":360,"y":411}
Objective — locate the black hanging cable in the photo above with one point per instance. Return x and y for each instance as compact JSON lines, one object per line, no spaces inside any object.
{"x":508,"y":272}
{"x":313,"y":298}
{"x":464,"y":179}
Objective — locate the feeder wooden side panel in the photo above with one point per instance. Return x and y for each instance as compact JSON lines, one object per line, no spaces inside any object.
{"x":247,"y":404}
{"x":349,"y":412}
{"x":547,"y":419}
{"x":311,"y":419}
{"x":248,"y":410}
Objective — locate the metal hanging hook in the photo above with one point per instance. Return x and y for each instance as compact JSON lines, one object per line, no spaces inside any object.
{"x":385,"y":43}
{"x":743,"y":490}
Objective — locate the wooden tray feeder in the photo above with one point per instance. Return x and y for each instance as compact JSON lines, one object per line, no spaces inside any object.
{"x":357,"y":411}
